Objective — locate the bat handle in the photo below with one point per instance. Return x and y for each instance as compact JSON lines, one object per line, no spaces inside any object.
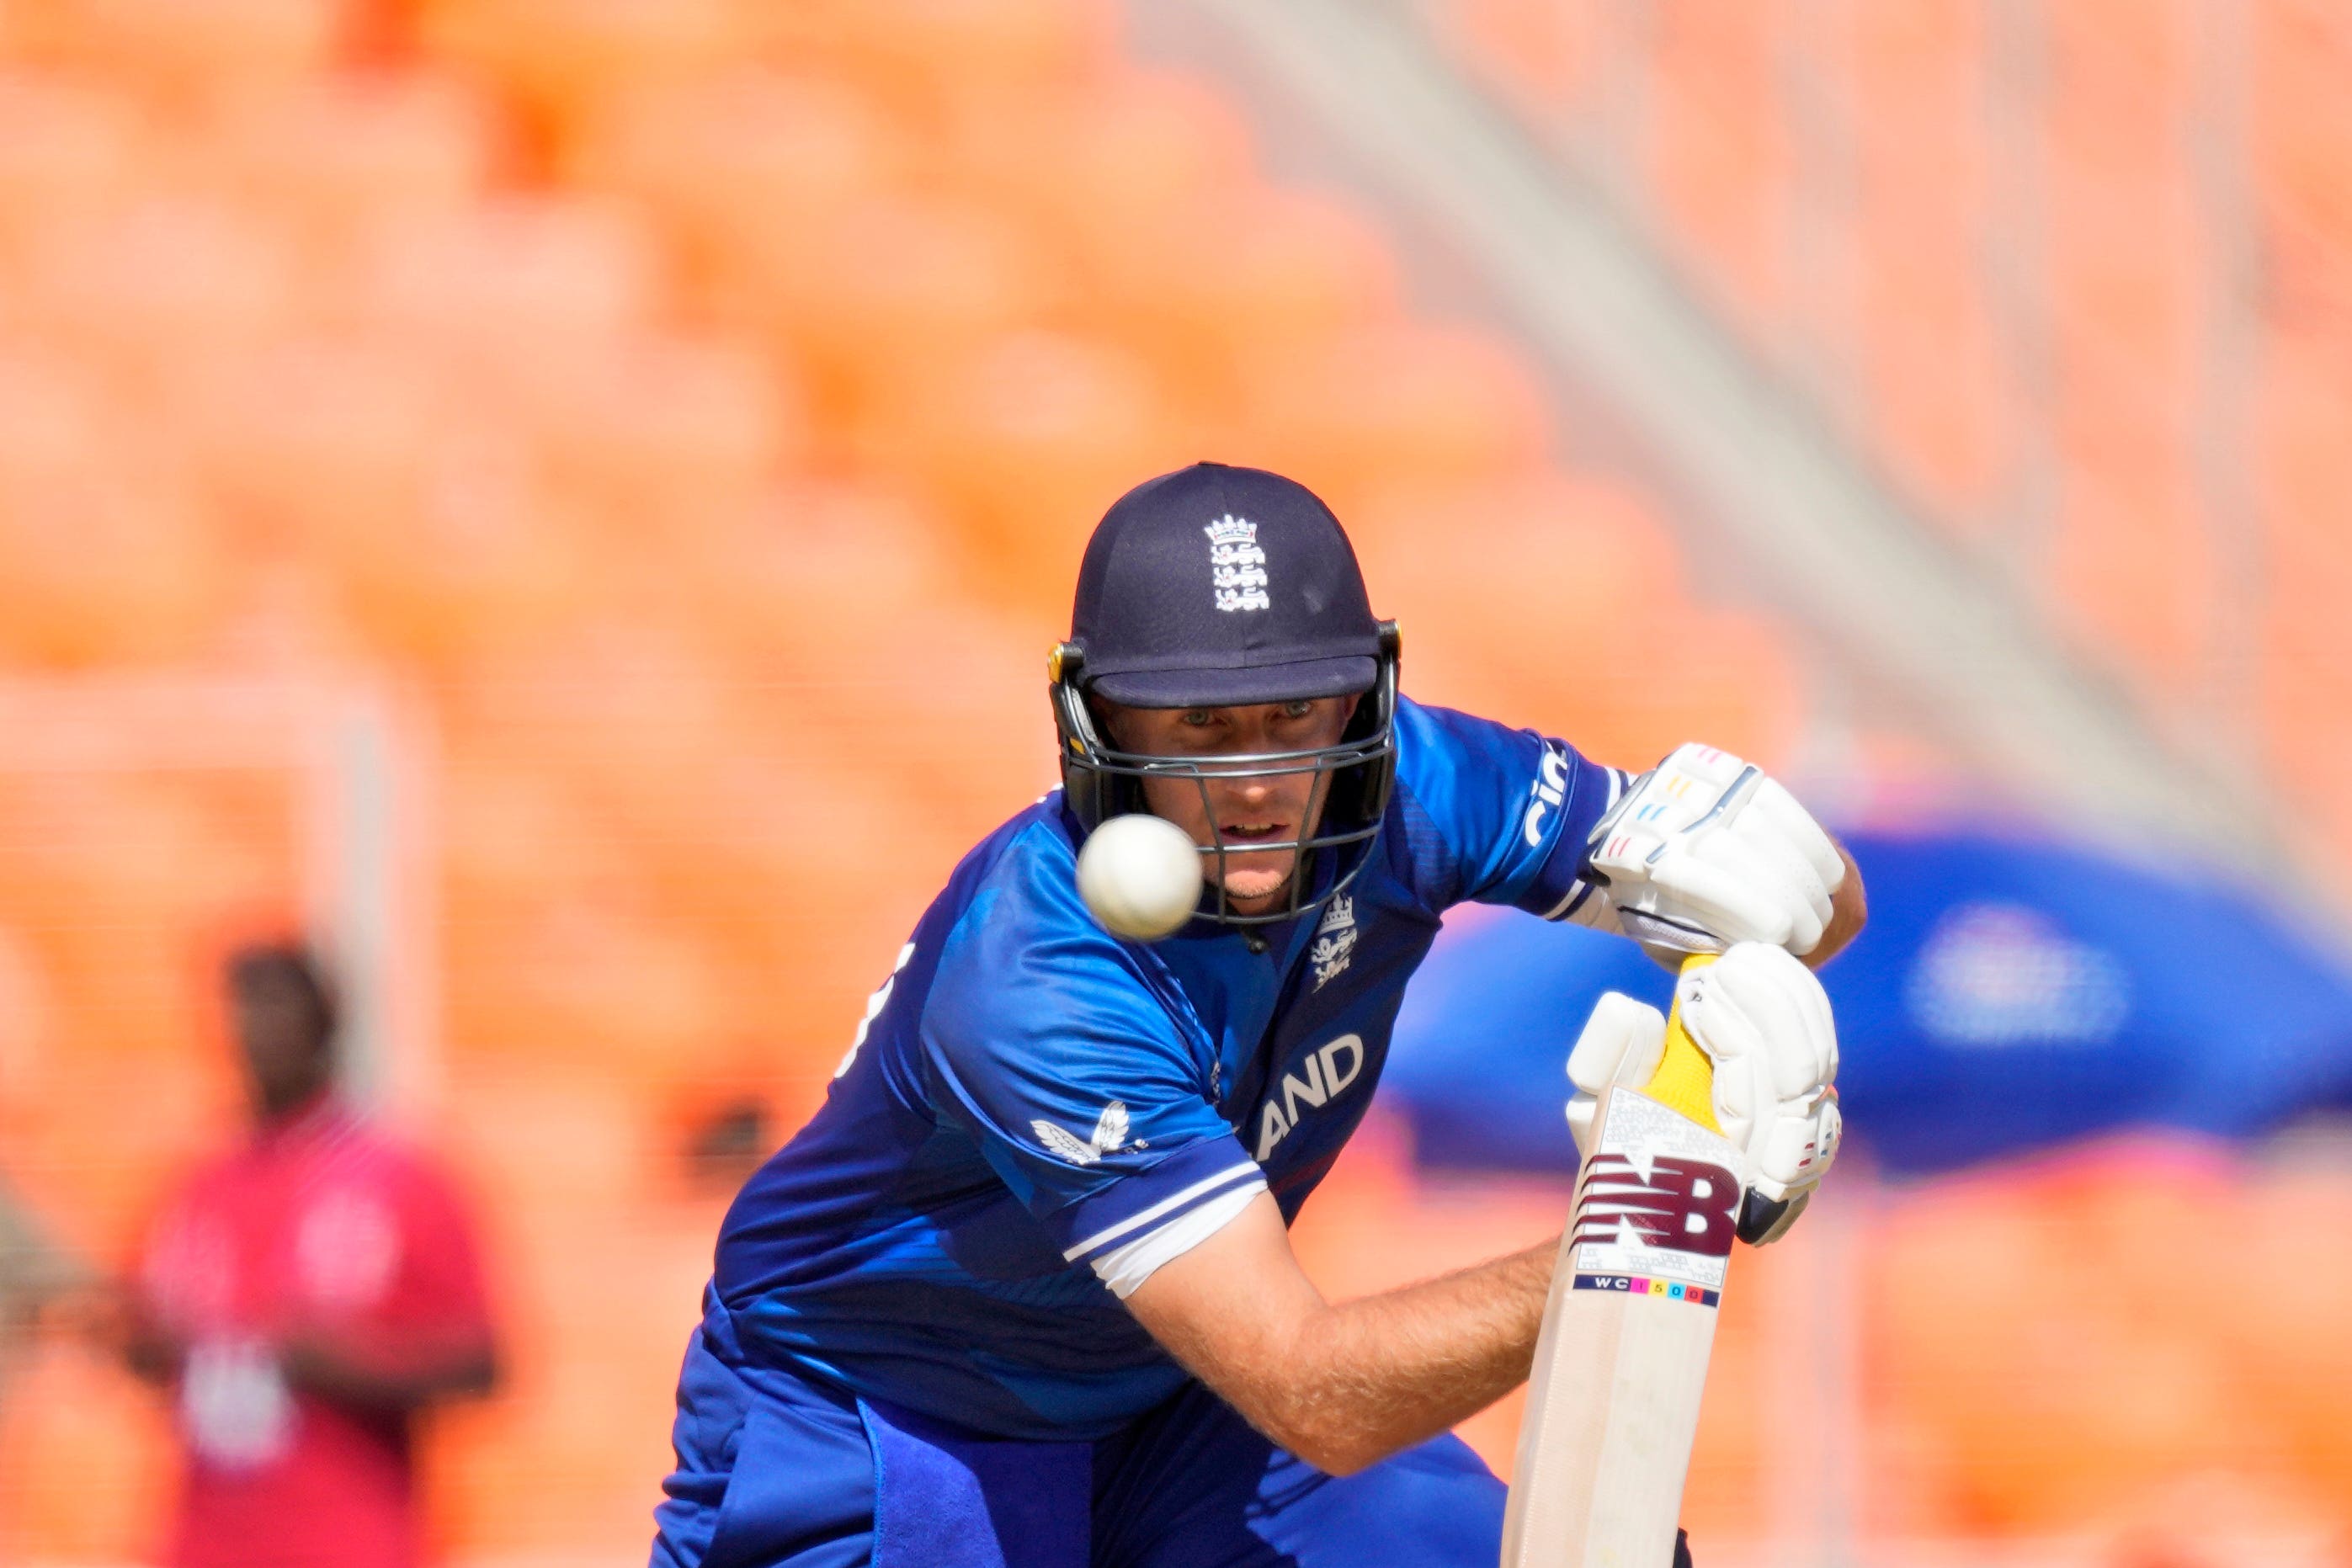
{"x":1685,"y":1080}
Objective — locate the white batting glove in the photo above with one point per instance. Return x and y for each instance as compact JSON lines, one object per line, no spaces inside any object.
{"x":1705,"y":850}
{"x":1622,"y":1037}
{"x":1764,"y":1022}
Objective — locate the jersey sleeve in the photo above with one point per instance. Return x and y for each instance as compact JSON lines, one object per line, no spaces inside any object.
{"x":1496,"y":815}
{"x":1078,"y":1070}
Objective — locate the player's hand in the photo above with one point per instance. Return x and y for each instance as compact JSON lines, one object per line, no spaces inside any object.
{"x":1764,"y":1022}
{"x":1705,"y":850}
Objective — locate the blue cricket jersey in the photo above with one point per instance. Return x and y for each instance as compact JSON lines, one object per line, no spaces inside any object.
{"x":1036,"y":1111}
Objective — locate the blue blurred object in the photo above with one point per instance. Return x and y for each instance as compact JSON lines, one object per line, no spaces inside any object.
{"x":2009,"y":995}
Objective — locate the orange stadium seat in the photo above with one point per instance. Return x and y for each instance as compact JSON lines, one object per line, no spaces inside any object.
{"x":74,"y":1416}
{"x":345,"y":154}
{"x":133,"y":876}
{"x":1542,"y":52}
{"x":2301,"y":127}
{"x":313,"y":441}
{"x":1928,"y":342}
{"x":728,"y":159}
{"x":793,"y":597}
{"x":518,"y":293}
{"x":1393,"y":405}
{"x":1119,"y":155}
{"x":2287,"y":1346}
{"x":54,"y":419}
{"x":486,"y":563}
{"x":66,"y":150}
{"x":1720,"y":163}
{"x":2112,"y":1391}
{"x":1932,"y":374}
{"x":2069,"y":142}
{"x":945,"y":62}
{"x":563,"y":58}
{"x":1026,"y":439}
{"x":894,"y":286}
{"x":1215,"y":288}
{"x":603,"y":991}
{"x":801,"y":581}
{"x":215,"y":52}
{"x":1590,"y":562}
{"x":2130,"y":557}
{"x":160,"y":285}
{"x":671,"y":437}
{"x":102,"y":557}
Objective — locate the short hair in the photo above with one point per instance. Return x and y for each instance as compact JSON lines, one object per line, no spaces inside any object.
{"x":292,"y":964}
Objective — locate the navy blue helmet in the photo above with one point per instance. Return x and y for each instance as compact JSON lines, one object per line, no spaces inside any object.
{"x":1220,"y":586}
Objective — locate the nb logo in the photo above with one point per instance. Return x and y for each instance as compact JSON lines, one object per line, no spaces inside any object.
{"x":1679,"y":1205}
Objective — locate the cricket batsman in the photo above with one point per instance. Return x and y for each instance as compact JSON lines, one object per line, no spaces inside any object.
{"x":1021,"y":1292}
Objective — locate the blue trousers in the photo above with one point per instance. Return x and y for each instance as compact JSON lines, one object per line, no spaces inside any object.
{"x":775,"y":1471}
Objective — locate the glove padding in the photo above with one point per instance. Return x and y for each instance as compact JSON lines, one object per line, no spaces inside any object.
{"x":1764,"y":1022}
{"x":1622,"y":1042}
{"x":1705,"y":850}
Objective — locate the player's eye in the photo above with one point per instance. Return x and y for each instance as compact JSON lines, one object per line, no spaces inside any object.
{"x":1197,"y":718}
{"x":1300,"y":710}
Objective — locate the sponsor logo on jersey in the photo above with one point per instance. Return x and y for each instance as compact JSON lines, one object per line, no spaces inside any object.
{"x":1666,"y":1202}
{"x":1327,"y":1073}
{"x":1549,"y":789}
{"x":1109,"y":1136}
{"x":1335,"y":941}
{"x":1236,"y":565}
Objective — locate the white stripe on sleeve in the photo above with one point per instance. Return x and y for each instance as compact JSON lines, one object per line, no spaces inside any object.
{"x":1125,"y":1268}
{"x":1208,"y":1183}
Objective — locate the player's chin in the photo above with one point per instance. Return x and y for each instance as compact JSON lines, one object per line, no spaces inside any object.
{"x":1252,"y":882}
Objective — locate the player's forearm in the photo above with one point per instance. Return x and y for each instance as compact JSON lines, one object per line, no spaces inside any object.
{"x":1342,"y":1385}
{"x":1367,"y":1378}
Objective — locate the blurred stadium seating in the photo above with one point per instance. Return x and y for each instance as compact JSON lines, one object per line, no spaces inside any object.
{"x":699,"y":405}
{"x":1998,"y":242}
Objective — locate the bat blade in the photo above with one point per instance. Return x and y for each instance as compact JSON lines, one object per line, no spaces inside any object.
{"x":1620,"y":1363}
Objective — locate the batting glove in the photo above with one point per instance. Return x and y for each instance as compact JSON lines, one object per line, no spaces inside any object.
{"x":1705,"y":850}
{"x":1764,"y":1022}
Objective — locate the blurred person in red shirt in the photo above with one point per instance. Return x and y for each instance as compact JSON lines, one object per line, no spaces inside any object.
{"x":304,"y":1295}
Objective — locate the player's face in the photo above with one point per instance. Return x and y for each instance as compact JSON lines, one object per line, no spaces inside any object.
{"x":1276,"y":808}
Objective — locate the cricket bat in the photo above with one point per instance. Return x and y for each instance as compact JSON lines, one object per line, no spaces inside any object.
{"x":1613,"y":1403}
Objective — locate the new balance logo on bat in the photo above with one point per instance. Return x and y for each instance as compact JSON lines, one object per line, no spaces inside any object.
{"x":1110,"y":1136}
{"x":1678,"y":1205}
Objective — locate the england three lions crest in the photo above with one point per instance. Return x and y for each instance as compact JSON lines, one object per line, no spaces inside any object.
{"x":1335,"y":941}
{"x":1236,"y":565}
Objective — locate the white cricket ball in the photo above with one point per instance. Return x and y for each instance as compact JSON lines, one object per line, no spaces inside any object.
{"x":1141,"y":875}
